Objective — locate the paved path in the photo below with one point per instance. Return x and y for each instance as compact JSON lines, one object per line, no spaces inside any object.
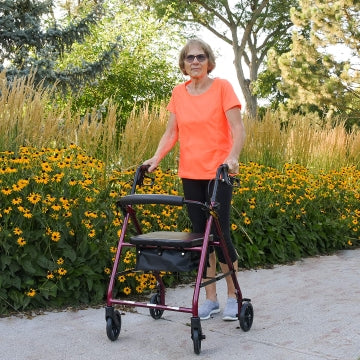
{"x":306,"y":311}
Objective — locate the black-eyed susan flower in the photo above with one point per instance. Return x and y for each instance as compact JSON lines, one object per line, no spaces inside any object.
{"x":121,"y":278}
{"x":6,"y":191}
{"x":46,"y":166}
{"x":16,"y":201}
{"x":247,"y":221}
{"x":31,"y":293}
{"x":61,"y":271}
{"x":55,"y":236}
{"x":34,"y":198}
{"x":17,"y":231}
{"x":127,"y":290}
{"x":21,"y":241}
{"x":92,"y":233}
{"x":27,"y":214}
{"x":56,"y":207}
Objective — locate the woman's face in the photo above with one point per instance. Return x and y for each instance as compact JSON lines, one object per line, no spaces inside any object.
{"x":196,"y":67}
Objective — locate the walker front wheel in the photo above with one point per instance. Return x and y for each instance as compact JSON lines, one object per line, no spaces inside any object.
{"x":113,"y":326}
{"x":196,"y":337}
{"x":246,"y":316}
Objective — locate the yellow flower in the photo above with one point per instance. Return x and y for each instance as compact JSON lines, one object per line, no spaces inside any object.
{"x":34,"y":198}
{"x":60,"y":261}
{"x":127,"y":290}
{"x":92,"y":233}
{"x":58,"y":177}
{"x":31,"y":293}
{"x":55,"y":236}
{"x":247,"y":221}
{"x":116,"y":222}
{"x":107,"y":271}
{"x":50,"y":275}
{"x":121,"y":278}
{"x":50,"y":198}
{"x":46,"y":167}
{"x":17,"y":231}
{"x":21,"y":241}
{"x":234,"y":226}
{"x":16,"y":201}
{"x":113,"y":193}
{"x":56,"y":207}
{"x":6,"y":191}
{"x":62,"y":271}
{"x":7,"y":210}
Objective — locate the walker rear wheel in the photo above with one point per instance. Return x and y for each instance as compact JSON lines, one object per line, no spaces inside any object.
{"x":155,"y":313}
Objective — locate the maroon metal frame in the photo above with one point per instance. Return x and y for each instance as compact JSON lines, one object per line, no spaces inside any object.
{"x":130,"y":214}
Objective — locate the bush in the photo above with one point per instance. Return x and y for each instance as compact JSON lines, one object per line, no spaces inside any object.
{"x":281,"y":216}
{"x":59,"y":224}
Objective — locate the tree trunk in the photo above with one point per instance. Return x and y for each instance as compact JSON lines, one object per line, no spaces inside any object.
{"x":251,"y":100}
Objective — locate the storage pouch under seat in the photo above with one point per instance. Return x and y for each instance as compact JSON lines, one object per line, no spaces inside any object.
{"x":152,"y":256}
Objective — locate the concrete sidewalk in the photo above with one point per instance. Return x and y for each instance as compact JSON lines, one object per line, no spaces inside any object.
{"x":306,"y":311}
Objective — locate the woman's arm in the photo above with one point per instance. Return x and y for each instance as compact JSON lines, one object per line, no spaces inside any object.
{"x":166,"y":143}
{"x":233,"y":116}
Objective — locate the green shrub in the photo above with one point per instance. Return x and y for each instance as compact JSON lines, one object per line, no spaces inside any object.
{"x":281,"y":216}
{"x":59,"y":224}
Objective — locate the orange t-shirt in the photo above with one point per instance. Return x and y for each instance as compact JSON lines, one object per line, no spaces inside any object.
{"x":204,"y":133}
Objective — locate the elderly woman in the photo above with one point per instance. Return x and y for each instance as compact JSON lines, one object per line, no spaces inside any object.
{"x":205,"y":118}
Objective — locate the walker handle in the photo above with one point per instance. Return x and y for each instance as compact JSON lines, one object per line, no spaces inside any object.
{"x":140,"y":175}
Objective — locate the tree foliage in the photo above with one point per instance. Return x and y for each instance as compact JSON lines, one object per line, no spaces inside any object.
{"x":146,"y":69}
{"x":32,"y":39}
{"x":251,"y":27}
{"x":322,"y":70}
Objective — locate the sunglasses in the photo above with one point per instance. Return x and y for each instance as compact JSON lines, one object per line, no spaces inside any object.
{"x":199,"y":57}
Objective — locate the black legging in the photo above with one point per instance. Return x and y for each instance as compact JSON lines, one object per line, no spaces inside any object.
{"x":201,"y":190}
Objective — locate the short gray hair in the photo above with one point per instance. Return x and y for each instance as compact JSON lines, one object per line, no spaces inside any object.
{"x":207,"y":50}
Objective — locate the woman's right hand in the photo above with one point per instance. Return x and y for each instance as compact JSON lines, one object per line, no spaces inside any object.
{"x":153,"y":162}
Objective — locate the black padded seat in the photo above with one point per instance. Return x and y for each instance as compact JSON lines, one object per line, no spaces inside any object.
{"x":174,"y":239}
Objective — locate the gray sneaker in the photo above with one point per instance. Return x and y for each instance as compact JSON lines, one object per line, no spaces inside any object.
{"x":207,"y":309}
{"x":231,"y":310}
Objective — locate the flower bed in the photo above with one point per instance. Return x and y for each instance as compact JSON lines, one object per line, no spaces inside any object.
{"x":59,"y":224}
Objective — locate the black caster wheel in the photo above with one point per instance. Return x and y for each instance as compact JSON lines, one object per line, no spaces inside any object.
{"x":196,"y":337}
{"x":196,"y":334}
{"x":246,"y":316}
{"x":155,"y":313}
{"x":113,"y":326}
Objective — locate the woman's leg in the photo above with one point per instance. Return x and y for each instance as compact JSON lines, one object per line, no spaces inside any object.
{"x":198,"y":190}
